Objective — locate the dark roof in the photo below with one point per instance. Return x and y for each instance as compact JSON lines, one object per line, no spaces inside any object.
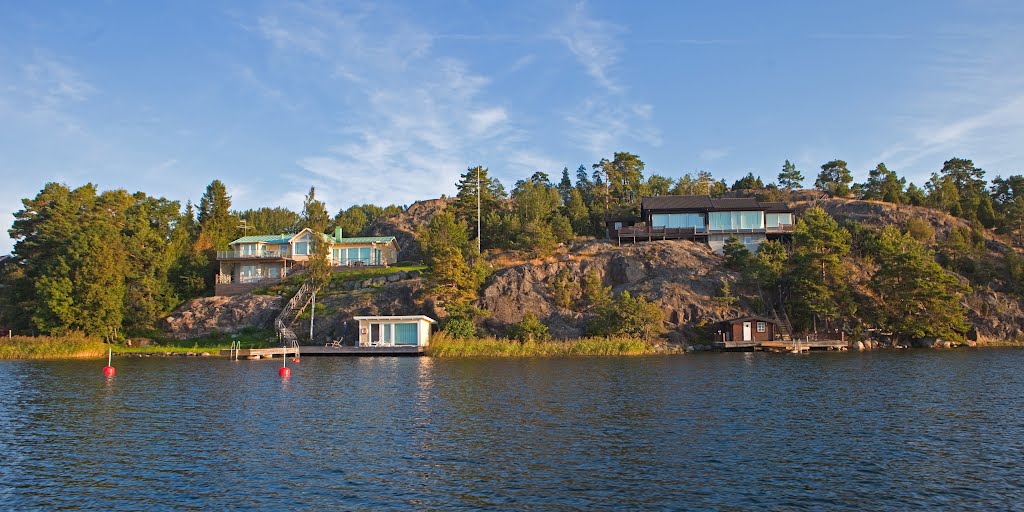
{"x":706,"y":203}
{"x":676,"y":202}
{"x":735,"y":203}
{"x":775,"y":206}
{"x":745,"y":318}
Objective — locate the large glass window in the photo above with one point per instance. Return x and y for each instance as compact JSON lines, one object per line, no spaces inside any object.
{"x":677,"y":220}
{"x":731,"y":221}
{"x":774,"y":220}
{"x":353,"y":254}
{"x":301,"y":248}
{"x":405,"y":334}
{"x":364,"y":255}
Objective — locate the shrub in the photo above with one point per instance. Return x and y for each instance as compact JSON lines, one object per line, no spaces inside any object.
{"x":530,"y":329}
{"x":460,"y":328}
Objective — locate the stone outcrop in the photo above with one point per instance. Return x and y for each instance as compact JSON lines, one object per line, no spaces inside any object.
{"x":680,"y":276}
{"x":202,"y":316}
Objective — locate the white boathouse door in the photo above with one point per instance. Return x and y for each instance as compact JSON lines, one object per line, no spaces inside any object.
{"x":746,"y":331}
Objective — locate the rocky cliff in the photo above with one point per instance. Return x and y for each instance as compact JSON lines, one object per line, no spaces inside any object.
{"x":199,"y":317}
{"x":404,"y":225}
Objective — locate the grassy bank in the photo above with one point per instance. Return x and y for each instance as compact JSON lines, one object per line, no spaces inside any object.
{"x":1001,"y":343}
{"x":72,"y":346}
{"x":212,"y":343}
{"x":443,"y":346}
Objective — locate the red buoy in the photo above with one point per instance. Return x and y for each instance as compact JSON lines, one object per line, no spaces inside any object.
{"x":109,"y":370}
{"x":295,"y":360}
{"x":284,"y":371}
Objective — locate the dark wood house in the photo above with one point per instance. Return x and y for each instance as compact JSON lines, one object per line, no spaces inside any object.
{"x":706,"y":219}
{"x":749,"y":330}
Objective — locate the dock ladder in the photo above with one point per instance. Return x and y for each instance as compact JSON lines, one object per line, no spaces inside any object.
{"x":235,"y":347}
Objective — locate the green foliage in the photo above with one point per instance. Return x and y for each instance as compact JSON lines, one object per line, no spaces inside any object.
{"x":884,"y":185}
{"x":915,"y":195}
{"x":834,"y":179}
{"x":71,"y":345}
{"x":723,"y":296}
{"x":216,"y":222}
{"x":564,"y":289}
{"x":790,"y":178}
{"x":769,"y":264}
{"x":917,"y":297}
{"x":314,"y":216}
{"x":921,"y":230}
{"x":491,"y":199}
{"x":658,"y":185}
{"x":819,"y":277}
{"x":529,"y":329}
{"x":748,"y":182}
{"x":443,"y":345}
{"x":459,"y":328}
{"x":444,"y":242}
{"x":737,"y":256}
{"x":624,"y":177}
{"x":267,"y":220}
{"x":637,"y":317}
{"x":702,"y":184}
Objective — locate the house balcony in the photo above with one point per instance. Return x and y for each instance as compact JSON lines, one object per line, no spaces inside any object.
{"x":249,"y":255}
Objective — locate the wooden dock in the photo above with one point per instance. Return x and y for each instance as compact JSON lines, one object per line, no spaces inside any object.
{"x":314,"y":350}
{"x":783,"y":346}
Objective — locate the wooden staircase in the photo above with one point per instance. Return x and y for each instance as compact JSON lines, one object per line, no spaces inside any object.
{"x":292,"y":310}
{"x":782,"y":321}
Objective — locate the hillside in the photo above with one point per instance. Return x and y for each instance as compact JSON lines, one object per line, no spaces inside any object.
{"x":681,"y":277}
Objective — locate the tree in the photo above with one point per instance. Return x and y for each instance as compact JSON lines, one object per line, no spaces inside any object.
{"x":820,"y":288}
{"x":915,"y":195}
{"x":351,"y":221}
{"x":737,"y":256}
{"x":748,"y":182}
{"x":215,"y":219}
{"x":564,"y":290}
{"x":768,"y":265}
{"x":578,"y":214}
{"x":271,"y":220}
{"x":147,"y":234}
{"x":1013,"y":221}
{"x":565,"y":187}
{"x":529,"y":329}
{"x":790,"y":178}
{"x":315,"y":217}
{"x":657,"y":185}
{"x":917,"y":297}
{"x":444,"y":242}
{"x":492,"y":195}
{"x":971,"y":200}
{"x":637,"y":317}
{"x":883,"y":185}
{"x":724,"y":296}
{"x":624,"y":176}
{"x":834,"y":179}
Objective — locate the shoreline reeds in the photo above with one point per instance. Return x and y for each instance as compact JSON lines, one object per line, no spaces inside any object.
{"x":445,"y":347}
{"x":70,"y":346}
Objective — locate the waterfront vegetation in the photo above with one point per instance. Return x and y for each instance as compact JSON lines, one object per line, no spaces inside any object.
{"x":442,"y":345}
{"x":213,"y":343}
{"x":70,"y":346}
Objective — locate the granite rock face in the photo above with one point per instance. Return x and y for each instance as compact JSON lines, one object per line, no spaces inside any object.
{"x":202,"y":316}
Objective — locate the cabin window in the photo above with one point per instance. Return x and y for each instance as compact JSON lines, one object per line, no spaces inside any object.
{"x":406,"y":334}
{"x":748,"y":240}
{"x":364,"y":255}
{"x":301,"y":248}
{"x":774,"y":220}
{"x":762,"y":327}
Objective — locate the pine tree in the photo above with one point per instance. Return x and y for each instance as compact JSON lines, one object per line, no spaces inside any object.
{"x":565,"y":187}
{"x":492,"y":195}
{"x":737,"y":256}
{"x":790,"y":178}
{"x":820,"y":288}
{"x":834,"y":179}
{"x":315,"y":217}
{"x":215,"y":219}
{"x":917,"y":297}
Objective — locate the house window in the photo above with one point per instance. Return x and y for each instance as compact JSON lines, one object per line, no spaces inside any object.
{"x":301,"y":248}
{"x":762,"y":327}
{"x":748,"y":240}
{"x":406,"y":334}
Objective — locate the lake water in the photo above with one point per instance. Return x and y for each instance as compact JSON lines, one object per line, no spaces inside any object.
{"x":870,"y":431}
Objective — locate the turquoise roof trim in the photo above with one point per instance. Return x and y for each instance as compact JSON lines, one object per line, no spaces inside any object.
{"x":365,"y":240}
{"x":267,"y":239}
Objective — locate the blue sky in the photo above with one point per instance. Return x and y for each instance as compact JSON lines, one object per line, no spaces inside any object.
{"x":389,"y":102}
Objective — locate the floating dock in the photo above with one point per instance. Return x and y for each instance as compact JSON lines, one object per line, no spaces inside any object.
{"x":314,"y":350}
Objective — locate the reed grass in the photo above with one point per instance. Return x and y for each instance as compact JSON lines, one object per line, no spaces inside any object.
{"x":443,"y":346}
{"x":213,"y":343}
{"x":71,"y":346}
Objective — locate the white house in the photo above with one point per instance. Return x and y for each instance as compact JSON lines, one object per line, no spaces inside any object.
{"x":385,"y":331}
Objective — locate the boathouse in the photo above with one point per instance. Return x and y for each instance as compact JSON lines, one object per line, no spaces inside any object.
{"x":754,"y":329}
{"x":387,"y":331}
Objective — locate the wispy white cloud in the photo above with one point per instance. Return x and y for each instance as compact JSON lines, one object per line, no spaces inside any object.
{"x":712,"y":154}
{"x":410,"y":119}
{"x":593,"y":42}
{"x":602,"y":126}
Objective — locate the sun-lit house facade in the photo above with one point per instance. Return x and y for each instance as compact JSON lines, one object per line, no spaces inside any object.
{"x":263,"y":259}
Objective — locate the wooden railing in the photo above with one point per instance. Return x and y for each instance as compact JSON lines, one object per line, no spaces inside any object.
{"x":255,"y":255}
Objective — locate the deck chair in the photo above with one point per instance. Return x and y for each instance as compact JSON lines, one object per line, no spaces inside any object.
{"x":333,"y":344}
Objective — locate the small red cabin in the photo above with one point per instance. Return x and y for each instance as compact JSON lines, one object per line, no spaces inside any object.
{"x":750,"y":328}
